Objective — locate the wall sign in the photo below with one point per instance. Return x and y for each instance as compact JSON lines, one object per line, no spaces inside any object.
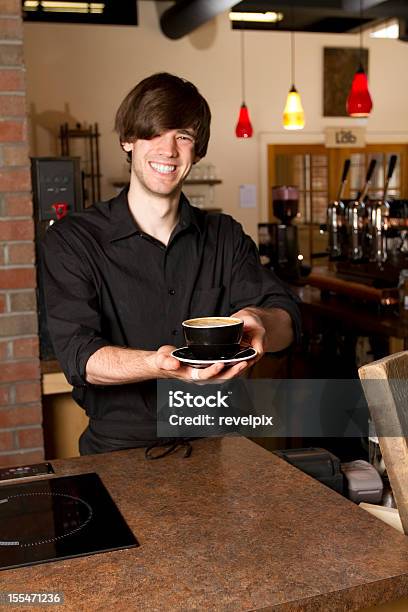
{"x":338,"y":137}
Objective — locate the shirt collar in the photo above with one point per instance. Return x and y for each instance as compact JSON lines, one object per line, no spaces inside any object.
{"x":122,"y":222}
{"x":189,"y":215}
{"x":123,"y":225}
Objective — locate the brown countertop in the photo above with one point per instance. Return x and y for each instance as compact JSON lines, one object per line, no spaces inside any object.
{"x":231,"y":528}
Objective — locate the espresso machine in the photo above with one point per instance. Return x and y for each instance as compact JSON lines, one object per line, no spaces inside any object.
{"x":278,"y":242}
{"x":357,"y":220}
{"x":368,"y":238}
{"x":336,"y":221}
{"x":378,"y":221}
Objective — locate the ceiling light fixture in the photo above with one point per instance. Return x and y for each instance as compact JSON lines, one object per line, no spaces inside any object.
{"x":243,"y":128}
{"x":293,"y":114}
{"x":359,"y":102}
{"x":268,"y":17}
{"x":31,"y":5}
{"x":54,"y":6}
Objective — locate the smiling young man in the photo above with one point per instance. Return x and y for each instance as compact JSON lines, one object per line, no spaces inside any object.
{"x":123,"y":275}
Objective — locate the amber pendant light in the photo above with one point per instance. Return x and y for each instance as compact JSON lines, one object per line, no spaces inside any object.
{"x":243,"y":128}
{"x":359,"y":102}
{"x":293,"y":113}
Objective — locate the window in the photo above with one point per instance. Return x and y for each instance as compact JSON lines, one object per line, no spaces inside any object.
{"x":358,"y":169}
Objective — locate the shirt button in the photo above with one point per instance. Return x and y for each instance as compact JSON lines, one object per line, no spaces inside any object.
{"x":175,"y":332}
{"x":172,"y":292}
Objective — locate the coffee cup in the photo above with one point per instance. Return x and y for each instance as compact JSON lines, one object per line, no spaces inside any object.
{"x":213,"y":337}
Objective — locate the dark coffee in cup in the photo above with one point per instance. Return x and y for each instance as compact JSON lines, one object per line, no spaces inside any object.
{"x":213,"y":337}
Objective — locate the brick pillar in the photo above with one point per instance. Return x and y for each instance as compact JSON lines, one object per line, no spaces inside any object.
{"x":21,"y":439}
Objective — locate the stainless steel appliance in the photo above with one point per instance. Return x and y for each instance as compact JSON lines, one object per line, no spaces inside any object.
{"x":356,"y":214}
{"x":336,"y":220}
{"x":378,"y":215}
{"x":368,"y":239}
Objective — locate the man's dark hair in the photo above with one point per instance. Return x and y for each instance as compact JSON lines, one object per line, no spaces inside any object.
{"x":164,"y":102}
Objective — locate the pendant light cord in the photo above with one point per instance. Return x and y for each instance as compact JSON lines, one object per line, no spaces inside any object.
{"x":292,"y":44}
{"x":361,"y":33}
{"x":242,"y":65}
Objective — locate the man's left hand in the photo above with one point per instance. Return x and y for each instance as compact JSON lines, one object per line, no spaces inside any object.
{"x":266,"y":329}
{"x":254,"y":333}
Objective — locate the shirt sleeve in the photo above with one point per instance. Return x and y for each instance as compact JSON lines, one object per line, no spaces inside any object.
{"x":71,"y":300}
{"x":254,"y":285}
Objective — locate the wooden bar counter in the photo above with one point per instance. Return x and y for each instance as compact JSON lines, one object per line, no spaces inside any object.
{"x":327,"y":313}
{"x":233,"y":527}
{"x":357,"y":317}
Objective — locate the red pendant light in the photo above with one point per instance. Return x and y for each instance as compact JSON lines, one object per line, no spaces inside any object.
{"x":359,"y":102}
{"x":243,"y":128}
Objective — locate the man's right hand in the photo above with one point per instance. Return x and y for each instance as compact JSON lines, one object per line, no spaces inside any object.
{"x":114,"y":365}
{"x":170,"y":367}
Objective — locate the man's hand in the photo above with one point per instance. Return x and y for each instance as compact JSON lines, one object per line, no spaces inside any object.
{"x":266,"y":329}
{"x":170,"y":367}
{"x":254,"y":332}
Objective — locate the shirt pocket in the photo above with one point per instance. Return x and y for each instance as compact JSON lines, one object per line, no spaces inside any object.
{"x":207,"y":303}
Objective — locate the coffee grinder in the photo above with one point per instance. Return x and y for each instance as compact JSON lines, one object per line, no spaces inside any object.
{"x":278,"y":242}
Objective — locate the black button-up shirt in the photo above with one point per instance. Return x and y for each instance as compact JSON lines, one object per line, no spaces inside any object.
{"x":108,"y":283}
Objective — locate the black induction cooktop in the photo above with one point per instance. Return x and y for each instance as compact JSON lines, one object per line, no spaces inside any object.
{"x":59,"y":518}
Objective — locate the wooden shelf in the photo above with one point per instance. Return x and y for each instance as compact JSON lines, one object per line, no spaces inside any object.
{"x":330,"y":281}
{"x":53,"y":380}
{"x":54,"y":383}
{"x":202,"y":182}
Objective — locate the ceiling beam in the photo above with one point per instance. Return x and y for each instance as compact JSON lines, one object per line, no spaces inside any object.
{"x":187,"y":15}
{"x":372,"y":9}
{"x":184,"y":16}
{"x":403,"y":30}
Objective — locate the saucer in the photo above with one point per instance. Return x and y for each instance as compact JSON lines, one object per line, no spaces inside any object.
{"x":185,"y":355}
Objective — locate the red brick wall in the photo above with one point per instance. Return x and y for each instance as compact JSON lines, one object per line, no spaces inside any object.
{"x":21,"y":439}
